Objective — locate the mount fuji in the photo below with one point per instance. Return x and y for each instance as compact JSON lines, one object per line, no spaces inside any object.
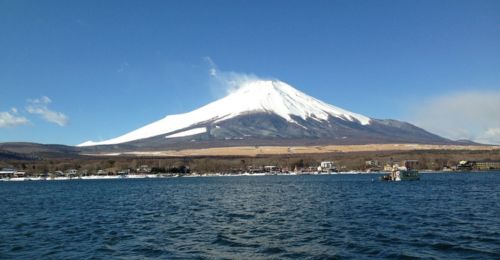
{"x":266,"y":112}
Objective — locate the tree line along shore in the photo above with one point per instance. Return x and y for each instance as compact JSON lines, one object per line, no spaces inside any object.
{"x":434,"y":160}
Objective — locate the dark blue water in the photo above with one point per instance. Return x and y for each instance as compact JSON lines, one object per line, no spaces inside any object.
{"x":342,"y":216}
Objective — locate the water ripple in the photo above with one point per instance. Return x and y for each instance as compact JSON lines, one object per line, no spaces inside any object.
{"x":306,"y":217}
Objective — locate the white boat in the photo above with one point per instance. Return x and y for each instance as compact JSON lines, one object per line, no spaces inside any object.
{"x":404,"y":173}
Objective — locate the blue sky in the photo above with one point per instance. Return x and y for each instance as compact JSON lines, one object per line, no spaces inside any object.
{"x":72,"y":71}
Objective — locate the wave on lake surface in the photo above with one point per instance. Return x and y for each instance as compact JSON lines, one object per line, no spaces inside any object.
{"x":336,"y":216}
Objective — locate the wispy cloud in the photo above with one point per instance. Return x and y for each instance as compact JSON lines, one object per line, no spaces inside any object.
{"x":39,"y":106}
{"x":12,"y":119}
{"x":226,"y":82}
{"x":123,"y":66}
{"x":472,"y":115}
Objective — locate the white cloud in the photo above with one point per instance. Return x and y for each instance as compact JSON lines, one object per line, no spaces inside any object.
{"x":213,"y":72}
{"x":11,"y":119}
{"x":223,"y":83}
{"x":472,"y":115}
{"x":39,"y":107}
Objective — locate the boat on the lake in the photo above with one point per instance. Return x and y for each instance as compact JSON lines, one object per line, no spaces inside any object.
{"x":403,"y":173}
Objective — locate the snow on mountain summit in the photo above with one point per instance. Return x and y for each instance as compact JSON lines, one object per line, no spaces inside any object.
{"x":270,"y":96}
{"x":284,"y":100}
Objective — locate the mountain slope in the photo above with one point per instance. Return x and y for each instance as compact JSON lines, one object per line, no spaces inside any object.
{"x":267,"y":113}
{"x":257,"y":96}
{"x":35,"y":151}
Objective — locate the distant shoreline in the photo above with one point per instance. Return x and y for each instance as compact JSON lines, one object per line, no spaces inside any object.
{"x":165,"y":176}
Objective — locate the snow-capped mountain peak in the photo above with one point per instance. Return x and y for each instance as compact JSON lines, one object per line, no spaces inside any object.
{"x":269,"y":96}
{"x":282,"y":99}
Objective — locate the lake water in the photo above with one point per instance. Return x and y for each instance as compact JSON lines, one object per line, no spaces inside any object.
{"x":339,"y":216}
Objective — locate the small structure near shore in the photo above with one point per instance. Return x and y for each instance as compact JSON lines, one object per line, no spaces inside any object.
{"x":487,"y":165}
{"x":72,"y":173}
{"x":7,"y":173}
{"x":271,"y":169}
{"x":327,"y":166}
{"x":478,"y":165}
{"x":102,"y":172}
{"x":144,"y":169}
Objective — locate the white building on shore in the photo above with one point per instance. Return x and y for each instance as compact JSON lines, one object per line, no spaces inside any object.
{"x":7,"y":173}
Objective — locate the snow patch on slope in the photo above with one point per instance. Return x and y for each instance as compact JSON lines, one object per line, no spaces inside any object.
{"x":270,"y":96}
{"x":194,"y":131}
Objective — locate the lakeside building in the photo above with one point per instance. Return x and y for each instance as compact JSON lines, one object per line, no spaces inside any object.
{"x":71,"y":173}
{"x":254,"y":169}
{"x":372,"y":163}
{"x":271,"y":168}
{"x":372,"y":166}
{"x":19,"y":174}
{"x":327,"y":166}
{"x":58,"y":174}
{"x":479,"y":166}
{"x":102,"y":172}
{"x":123,"y":172}
{"x":465,"y":165}
{"x":487,"y":165}
{"x":7,"y":172}
{"x":144,"y":169}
